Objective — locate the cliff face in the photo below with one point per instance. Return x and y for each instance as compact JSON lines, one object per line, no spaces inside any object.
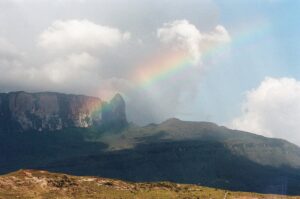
{"x":21,"y":111}
{"x":114,"y":113}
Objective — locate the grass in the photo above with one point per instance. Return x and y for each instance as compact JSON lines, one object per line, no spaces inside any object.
{"x":30,"y":184}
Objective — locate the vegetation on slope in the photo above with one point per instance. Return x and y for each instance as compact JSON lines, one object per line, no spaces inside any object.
{"x":30,"y":184}
{"x":182,"y":152}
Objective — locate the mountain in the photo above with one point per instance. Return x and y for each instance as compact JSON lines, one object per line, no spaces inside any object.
{"x":41,"y":184}
{"x":48,"y":111}
{"x":192,"y":152}
{"x":199,"y":153}
{"x":178,"y":151}
{"x":259,"y":149}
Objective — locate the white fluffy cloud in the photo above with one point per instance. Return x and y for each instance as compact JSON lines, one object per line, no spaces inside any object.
{"x":12,"y":69}
{"x":272,"y":109}
{"x":74,"y":65}
{"x":63,"y":72}
{"x":183,"y":35}
{"x":70,"y":68}
{"x":77,"y":46}
{"x":72,"y":35}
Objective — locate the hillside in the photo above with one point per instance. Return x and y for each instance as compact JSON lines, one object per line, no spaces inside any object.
{"x":259,"y":149}
{"x":178,"y":151}
{"x":63,"y":133}
{"x":32,"y":184}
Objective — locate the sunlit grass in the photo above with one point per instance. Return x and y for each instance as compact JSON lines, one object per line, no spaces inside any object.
{"x":30,"y":184}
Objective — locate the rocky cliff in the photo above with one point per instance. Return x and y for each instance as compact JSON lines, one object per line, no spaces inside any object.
{"x":113,"y":113}
{"x":21,"y":111}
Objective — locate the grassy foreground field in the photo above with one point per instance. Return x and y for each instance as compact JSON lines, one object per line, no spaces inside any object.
{"x":41,"y":184}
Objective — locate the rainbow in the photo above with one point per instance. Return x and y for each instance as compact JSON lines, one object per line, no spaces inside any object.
{"x":169,"y":64}
{"x":166,"y":64}
{"x":162,"y":67}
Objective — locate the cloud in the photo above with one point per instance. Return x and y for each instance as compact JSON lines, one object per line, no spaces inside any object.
{"x":74,"y":35}
{"x":92,"y":54}
{"x":75,"y":64}
{"x":272,"y":109}
{"x":55,"y":1}
{"x":8,"y":51}
{"x":71,"y":68}
{"x":13,"y":71}
{"x":10,"y":59}
{"x":87,"y":57}
{"x":182,"y":35}
{"x":62,"y":73}
{"x":159,"y":100}
{"x":220,"y":34}
{"x":95,"y":47}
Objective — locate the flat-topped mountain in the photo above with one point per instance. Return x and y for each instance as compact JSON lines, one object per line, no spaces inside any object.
{"x":49,"y":111}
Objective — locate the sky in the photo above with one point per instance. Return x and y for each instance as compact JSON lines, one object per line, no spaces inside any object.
{"x":233,"y":62}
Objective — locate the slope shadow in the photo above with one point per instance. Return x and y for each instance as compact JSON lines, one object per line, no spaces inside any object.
{"x":206,"y":163}
{"x":31,"y":149}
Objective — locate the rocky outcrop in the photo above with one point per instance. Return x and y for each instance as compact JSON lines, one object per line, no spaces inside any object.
{"x":114,"y":113}
{"x":21,"y":111}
